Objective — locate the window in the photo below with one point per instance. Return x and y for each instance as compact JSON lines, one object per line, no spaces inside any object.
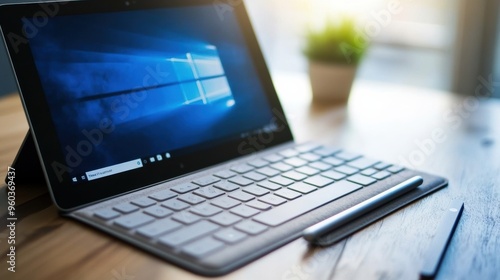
{"x":412,"y":44}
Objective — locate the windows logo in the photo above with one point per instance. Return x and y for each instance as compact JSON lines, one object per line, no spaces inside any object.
{"x":202,"y":78}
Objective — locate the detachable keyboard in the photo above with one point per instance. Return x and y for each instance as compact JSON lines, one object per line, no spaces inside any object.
{"x":211,"y":220}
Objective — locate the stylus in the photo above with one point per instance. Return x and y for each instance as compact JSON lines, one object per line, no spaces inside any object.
{"x":315,"y":232}
{"x":441,"y":240}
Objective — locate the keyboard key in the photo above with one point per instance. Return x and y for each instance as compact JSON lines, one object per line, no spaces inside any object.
{"x":326,"y":151}
{"x":307,"y":170}
{"x":281,"y":166}
{"x":242,"y":168}
{"x":302,"y":188}
{"x":133,"y":220}
{"x":268,"y":171}
{"x":143,"y":202}
{"x":106,"y":214}
{"x":272,"y":199}
{"x":258,"y":163}
{"x":183,"y":188}
{"x":175,"y":204}
{"x":346,"y":169}
{"x":273,"y":158}
{"x":225,"y":202}
{"x":205,"y":210}
{"x":281,"y":181}
{"x":318,"y":181}
{"x":333,"y":175}
{"x":186,"y":218}
{"x":251,"y":227}
{"x":320,"y":166}
{"x":205,"y":181}
{"x":295,"y":161}
{"x":226,"y":186}
{"x":310,"y":157}
{"x":381,"y":175}
{"x":347,"y":156}
{"x":294,"y":175}
{"x":225,"y":219}
{"x":158,"y":211}
{"x":225,"y":174}
{"x":259,"y":205}
{"x":241,"y":181}
{"x":158,"y":228}
{"x":362,"y":163}
{"x":191,"y":199}
{"x":202,"y":247}
{"x":334,"y":161}
{"x":244,"y":211}
{"x":369,"y":171}
{"x":255,"y":190}
{"x":361,"y":179}
{"x":162,"y":195}
{"x":289,"y":153}
{"x":288,"y":194}
{"x":241,"y":196}
{"x":208,"y":192}
{"x":230,"y":235}
{"x":254,"y":176}
{"x":188,"y":233}
{"x":126,"y":208}
{"x":269,"y":185}
{"x":395,"y":169}
{"x":304,"y":148}
{"x":381,"y":165}
{"x":306,"y":203}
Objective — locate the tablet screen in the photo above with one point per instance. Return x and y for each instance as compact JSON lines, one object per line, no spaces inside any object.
{"x":130,"y":89}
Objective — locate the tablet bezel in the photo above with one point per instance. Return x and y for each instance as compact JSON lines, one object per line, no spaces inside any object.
{"x":68,"y":196}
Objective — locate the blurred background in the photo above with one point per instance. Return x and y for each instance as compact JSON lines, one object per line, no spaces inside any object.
{"x":438,"y":44}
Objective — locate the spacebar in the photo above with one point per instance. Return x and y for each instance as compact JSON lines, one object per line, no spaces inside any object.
{"x":306,"y":203}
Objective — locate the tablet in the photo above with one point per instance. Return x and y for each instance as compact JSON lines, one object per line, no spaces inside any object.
{"x":120,"y":95}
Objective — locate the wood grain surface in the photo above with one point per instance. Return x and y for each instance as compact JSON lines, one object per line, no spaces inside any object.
{"x":388,"y":122}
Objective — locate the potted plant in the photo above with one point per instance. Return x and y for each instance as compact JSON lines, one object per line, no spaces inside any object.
{"x":334,"y":53}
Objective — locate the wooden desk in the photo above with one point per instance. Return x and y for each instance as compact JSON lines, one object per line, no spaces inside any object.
{"x":388,"y":122}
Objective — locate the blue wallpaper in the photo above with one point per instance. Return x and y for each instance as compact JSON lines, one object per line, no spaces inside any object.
{"x":147,"y":82}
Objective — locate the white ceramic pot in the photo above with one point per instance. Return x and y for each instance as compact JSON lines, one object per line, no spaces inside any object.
{"x":331,"y":82}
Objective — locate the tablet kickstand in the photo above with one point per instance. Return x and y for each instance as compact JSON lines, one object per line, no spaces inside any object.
{"x":27,"y":164}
